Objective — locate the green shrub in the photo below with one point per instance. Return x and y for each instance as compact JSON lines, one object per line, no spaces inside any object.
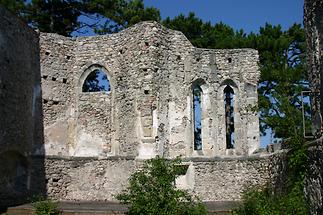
{"x":152,"y":191}
{"x":46,"y":207}
{"x":289,"y":198}
{"x":264,"y":201}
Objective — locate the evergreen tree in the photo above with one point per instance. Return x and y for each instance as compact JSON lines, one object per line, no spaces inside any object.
{"x":17,"y":7}
{"x":283,"y":77}
{"x":120,"y":14}
{"x":55,"y":16}
{"x":66,"y":16}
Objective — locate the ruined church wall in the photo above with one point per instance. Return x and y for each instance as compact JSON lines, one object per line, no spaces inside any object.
{"x":215,"y":69}
{"x":149,"y":109}
{"x":227,"y":179}
{"x":213,"y":179}
{"x":95,"y":140}
{"x":21,"y":131}
{"x":19,"y":85}
{"x":56,"y":55}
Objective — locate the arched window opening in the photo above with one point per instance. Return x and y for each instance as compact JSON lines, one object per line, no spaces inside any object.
{"x":197,"y":108}
{"x":229,"y":116}
{"x":96,"y":81}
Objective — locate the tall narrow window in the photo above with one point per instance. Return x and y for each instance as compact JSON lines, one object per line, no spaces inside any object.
{"x":96,"y":81}
{"x":229,"y":116}
{"x":197,"y":96}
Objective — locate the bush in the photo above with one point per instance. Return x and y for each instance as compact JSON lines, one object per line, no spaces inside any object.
{"x":288,"y":197}
{"x":152,"y":191}
{"x":46,"y":207}
{"x":265,"y":202}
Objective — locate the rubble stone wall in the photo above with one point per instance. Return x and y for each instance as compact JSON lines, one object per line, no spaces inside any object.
{"x":213,"y":179}
{"x":21,"y":130}
{"x":94,"y":141}
{"x":19,"y":85}
{"x":149,"y":110}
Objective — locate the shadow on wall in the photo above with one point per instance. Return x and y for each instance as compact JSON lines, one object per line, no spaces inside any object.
{"x":22,"y":172}
{"x":22,"y":179}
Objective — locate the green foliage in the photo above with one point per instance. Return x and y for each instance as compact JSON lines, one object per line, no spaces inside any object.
{"x":112,"y":16}
{"x":135,"y":11}
{"x":67,"y":16}
{"x":264,"y":201}
{"x":289,"y":197}
{"x":152,"y":191}
{"x":14,"y":6}
{"x":283,"y":77}
{"x":297,"y":160}
{"x":205,"y":35}
{"x":46,"y":207}
{"x":54,"y":16}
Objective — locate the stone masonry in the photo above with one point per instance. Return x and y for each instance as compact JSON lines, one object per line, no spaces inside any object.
{"x":148,"y":111}
{"x":95,"y":140}
{"x":68,"y":144}
{"x":212,"y":179}
{"x":21,"y":127}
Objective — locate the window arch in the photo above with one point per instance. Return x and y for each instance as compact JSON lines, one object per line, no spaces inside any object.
{"x":197,"y":115}
{"x":229,"y":116}
{"x":96,"y":81}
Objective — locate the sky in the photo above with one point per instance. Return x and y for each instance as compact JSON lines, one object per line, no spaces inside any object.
{"x":246,"y":14}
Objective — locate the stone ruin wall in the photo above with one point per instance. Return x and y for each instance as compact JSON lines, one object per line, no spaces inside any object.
{"x":94,"y":141}
{"x":19,"y":86}
{"x":212,"y":179}
{"x":20,"y":110}
{"x":148,"y":111}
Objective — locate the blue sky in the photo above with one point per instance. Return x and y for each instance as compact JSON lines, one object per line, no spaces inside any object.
{"x":246,"y":14}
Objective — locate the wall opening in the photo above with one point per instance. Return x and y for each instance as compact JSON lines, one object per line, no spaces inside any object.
{"x":96,"y":81}
{"x":229,"y":116}
{"x":197,"y":109}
